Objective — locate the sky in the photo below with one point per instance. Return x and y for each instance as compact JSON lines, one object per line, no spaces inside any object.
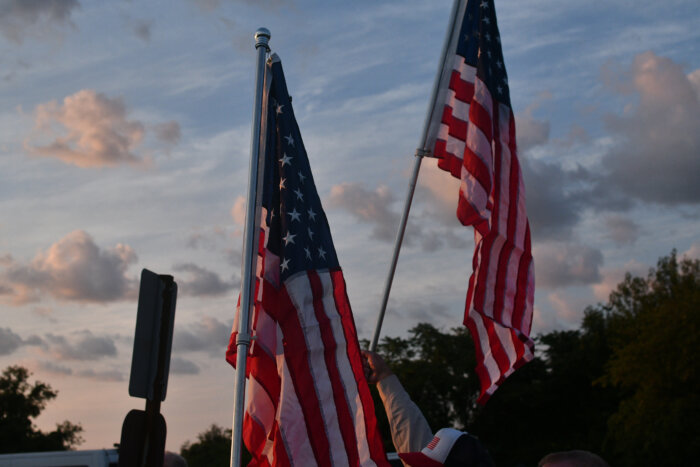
{"x":125,"y":144}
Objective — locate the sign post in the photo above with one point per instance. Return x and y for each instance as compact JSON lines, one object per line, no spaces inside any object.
{"x":143,"y":432}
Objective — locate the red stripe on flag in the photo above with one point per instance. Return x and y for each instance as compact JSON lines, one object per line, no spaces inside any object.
{"x":521,"y":295}
{"x":476,"y":167}
{"x":253,"y":434}
{"x":279,"y":450}
{"x":457,"y":127}
{"x":464,"y":90}
{"x":295,"y":356}
{"x":263,"y":368}
{"x":482,"y":119}
{"x":329,"y":350}
{"x":342,"y":305}
{"x":448,"y":162}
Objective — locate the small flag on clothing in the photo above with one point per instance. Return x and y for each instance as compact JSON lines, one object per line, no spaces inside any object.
{"x":307,"y":399}
{"x":472,"y":131}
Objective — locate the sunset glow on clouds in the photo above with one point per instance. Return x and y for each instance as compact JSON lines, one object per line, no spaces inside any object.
{"x":125,"y":145}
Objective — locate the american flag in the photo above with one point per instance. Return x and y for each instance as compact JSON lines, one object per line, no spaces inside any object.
{"x":307,"y":399}
{"x":473,"y":133}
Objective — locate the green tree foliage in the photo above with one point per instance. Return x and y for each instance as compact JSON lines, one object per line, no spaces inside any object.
{"x":655,"y":330}
{"x":212,"y":449}
{"x":625,"y":385}
{"x":20,"y":403}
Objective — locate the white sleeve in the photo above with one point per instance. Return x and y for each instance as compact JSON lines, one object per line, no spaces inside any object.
{"x":410,"y":431}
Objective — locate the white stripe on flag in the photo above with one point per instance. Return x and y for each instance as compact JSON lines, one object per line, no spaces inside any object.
{"x":300,"y":292}
{"x":352,"y":395}
{"x":485,"y":346}
{"x":291,"y":419}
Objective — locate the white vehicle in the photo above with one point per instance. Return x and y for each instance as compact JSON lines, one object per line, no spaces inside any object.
{"x":91,"y":458}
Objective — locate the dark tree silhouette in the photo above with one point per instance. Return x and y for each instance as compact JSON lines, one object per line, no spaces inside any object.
{"x":625,"y":385}
{"x":212,"y":449}
{"x":20,"y":403}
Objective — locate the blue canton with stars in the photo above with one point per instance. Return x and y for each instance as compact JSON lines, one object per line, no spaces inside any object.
{"x":298,"y":230}
{"x":480,"y":45}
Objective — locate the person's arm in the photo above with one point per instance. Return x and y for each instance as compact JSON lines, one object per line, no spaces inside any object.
{"x":410,"y":431}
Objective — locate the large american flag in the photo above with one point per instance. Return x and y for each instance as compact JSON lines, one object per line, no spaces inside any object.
{"x":473,"y":133}
{"x":307,"y":399}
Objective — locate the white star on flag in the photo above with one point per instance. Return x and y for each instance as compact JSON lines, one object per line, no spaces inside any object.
{"x":289,"y":238}
{"x":286,"y":159}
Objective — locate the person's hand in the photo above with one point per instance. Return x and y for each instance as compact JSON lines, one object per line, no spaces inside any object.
{"x":375,"y":367}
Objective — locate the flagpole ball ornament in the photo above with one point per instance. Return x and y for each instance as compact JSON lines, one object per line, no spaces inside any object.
{"x":262,"y":37}
{"x":449,"y":447}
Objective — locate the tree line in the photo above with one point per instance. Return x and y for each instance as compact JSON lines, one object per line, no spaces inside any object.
{"x":625,"y":385}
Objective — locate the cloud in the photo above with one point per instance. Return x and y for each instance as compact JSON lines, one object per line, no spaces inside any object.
{"x":209,"y":335}
{"x":55,"y":368}
{"x":443,"y":190}
{"x":168,"y":132}
{"x":209,"y":5}
{"x":560,"y":264}
{"x":22,"y":18}
{"x":180,"y":366}
{"x":238,"y":210}
{"x":98,"y":132}
{"x":90,"y":129}
{"x":694,"y":79}
{"x":555,"y":197}
{"x":610,"y":278}
{"x":82,"y":346}
{"x":656,"y":157}
{"x":74,"y":268}
{"x":142,"y":29}
{"x":622,"y":230}
{"x":200,"y":282}
{"x":104,"y":375}
{"x":531,"y":131}
{"x":693,"y":252}
{"x":9,"y":341}
{"x":373,"y":207}
{"x":568,"y":310}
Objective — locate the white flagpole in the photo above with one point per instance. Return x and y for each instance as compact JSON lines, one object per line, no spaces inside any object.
{"x":420,"y":153}
{"x":250,"y":248}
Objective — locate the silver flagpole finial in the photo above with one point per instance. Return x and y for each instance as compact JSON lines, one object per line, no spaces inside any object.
{"x":262,"y":37}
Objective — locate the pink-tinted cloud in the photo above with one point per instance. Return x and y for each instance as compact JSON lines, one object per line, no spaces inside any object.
{"x":656,"y":158}
{"x":74,"y":268}
{"x":90,"y":129}
{"x":611,"y":277}
{"x":238,"y":210}
{"x":693,"y":252}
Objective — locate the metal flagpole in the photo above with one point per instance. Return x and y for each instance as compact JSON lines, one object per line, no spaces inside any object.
{"x":420,"y":153}
{"x":250,"y":248}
